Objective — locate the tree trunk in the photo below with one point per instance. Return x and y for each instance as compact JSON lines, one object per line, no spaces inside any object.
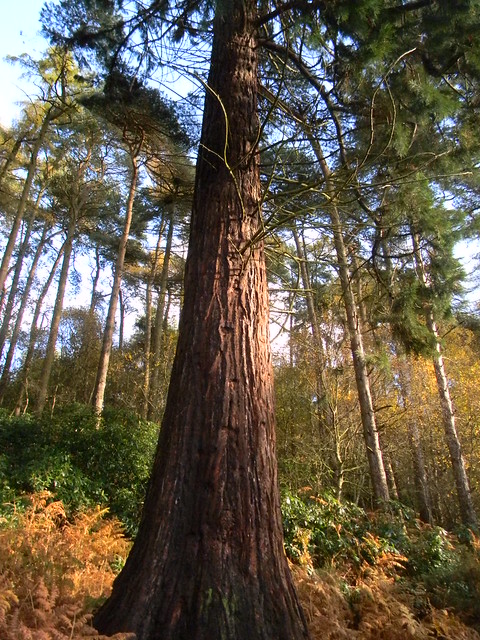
{"x":102,"y":371}
{"x":147,"y":347}
{"x":32,"y":165}
{"x":121,"y":323}
{"x":148,"y":322}
{"x":12,"y":296}
{"x":11,"y":156}
{"x":153,"y":409}
{"x":34,"y":332}
{"x":23,"y":305}
{"x":326,"y":411}
{"x":420,"y":480}
{"x":467,"y":511}
{"x":57,"y":316}
{"x":95,"y":279}
{"x":374,"y":453}
{"x":208,"y":561}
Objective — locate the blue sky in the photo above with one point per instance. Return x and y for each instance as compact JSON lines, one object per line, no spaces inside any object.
{"x":20,"y":34}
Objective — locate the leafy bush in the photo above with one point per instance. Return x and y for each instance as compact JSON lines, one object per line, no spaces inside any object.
{"x":321,"y":530}
{"x":80,"y":462}
{"x":430,"y":549}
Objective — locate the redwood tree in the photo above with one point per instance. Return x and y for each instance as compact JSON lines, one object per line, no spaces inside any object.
{"x":208,"y":561}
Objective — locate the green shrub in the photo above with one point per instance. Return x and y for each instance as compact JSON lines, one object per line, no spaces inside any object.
{"x":80,"y":462}
{"x":430,"y":549}
{"x":323,"y":530}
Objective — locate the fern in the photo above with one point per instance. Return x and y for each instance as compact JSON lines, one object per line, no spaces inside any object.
{"x":52,"y":571}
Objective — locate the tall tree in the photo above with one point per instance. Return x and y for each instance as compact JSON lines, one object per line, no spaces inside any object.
{"x":208,"y":560}
{"x":55,"y":75}
{"x":146,"y":122}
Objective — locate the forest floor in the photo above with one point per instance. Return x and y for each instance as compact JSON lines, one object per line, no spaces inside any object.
{"x":376,"y":607}
{"x":54,"y":572}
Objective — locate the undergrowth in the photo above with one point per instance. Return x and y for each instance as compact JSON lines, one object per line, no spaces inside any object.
{"x":380,"y":578}
{"x":80,"y":464}
{"x":442,"y":569}
{"x":53,"y":571}
{"x":59,"y":551}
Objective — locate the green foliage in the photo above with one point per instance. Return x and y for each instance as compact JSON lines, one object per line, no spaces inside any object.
{"x":431,"y":550}
{"x":456,"y":584}
{"x":323,"y":530}
{"x":80,"y":463}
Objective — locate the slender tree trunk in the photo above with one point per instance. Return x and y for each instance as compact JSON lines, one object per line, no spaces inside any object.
{"x":102,"y":371}
{"x":34,"y":332}
{"x":147,"y":347}
{"x":420,"y":479}
{"x":57,"y":316}
{"x":419,"y":473}
{"x":19,"y":319}
{"x":391,"y":481}
{"x":121,"y":324}
{"x":95,"y":279}
{"x":208,"y":561}
{"x":12,"y":296}
{"x":323,"y":396}
{"x":326,"y":412}
{"x":467,"y":511}
{"x":370,"y":432}
{"x":158,"y":327}
{"x":148,"y":324}
{"x":27,"y":185}
{"x":11,"y":156}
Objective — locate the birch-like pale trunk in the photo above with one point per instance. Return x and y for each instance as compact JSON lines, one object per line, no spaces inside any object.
{"x":27,"y":185}
{"x":467,"y":510}
{"x":56,"y":317}
{"x":104,"y":361}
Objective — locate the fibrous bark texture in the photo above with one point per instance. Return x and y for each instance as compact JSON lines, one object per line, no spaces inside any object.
{"x":208,"y":561}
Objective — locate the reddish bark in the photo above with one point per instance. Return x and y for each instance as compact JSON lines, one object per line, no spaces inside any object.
{"x":208,"y":561}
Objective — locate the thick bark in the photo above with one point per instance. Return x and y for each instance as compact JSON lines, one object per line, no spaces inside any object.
{"x":208,"y":561}
{"x":56,"y":317}
{"x":104,"y":361}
